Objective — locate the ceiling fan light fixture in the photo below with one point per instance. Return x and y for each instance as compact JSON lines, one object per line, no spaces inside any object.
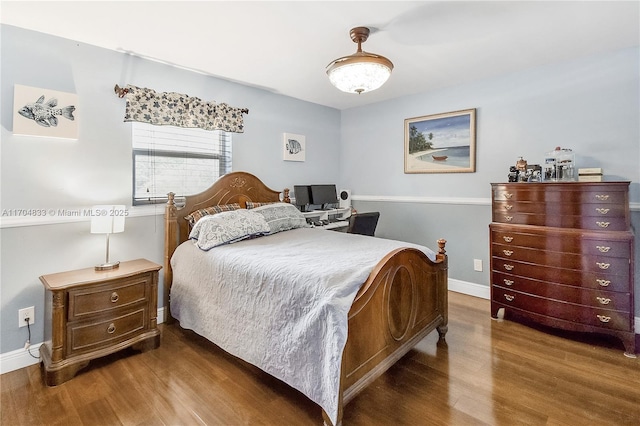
{"x":362,"y":71}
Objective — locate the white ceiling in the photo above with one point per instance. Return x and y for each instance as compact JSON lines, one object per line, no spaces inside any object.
{"x":284,"y":47}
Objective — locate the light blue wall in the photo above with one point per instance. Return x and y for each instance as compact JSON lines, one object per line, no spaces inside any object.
{"x":591,"y":105}
{"x":53,"y":174}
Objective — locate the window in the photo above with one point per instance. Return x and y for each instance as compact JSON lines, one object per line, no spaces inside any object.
{"x":176,"y":159}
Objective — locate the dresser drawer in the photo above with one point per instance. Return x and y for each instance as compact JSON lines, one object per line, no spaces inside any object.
{"x":88,"y":336}
{"x":596,"y":317}
{"x":90,"y":300}
{"x":570,"y":192}
{"x":587,"y":279}
{"x":571,"y":294}
{"x":609,"y":223}
{"x":599,"y":210}
{"x":593,"y":263}
{"x":609,"y":245}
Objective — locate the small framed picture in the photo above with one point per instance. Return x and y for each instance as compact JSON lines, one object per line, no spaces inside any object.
{"x":441,"y":143}
{"x":44,"y":112}
{"x":294,"y":147}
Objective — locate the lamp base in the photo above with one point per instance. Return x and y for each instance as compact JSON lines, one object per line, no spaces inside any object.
{"x":107,"y":266}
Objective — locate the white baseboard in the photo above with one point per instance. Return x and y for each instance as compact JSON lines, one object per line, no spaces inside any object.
{"x":20,"y":358}
{"x":472,"y":289}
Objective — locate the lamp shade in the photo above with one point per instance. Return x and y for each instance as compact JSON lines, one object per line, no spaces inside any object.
{"x":362,"y":71}
{"x":107,"y":219}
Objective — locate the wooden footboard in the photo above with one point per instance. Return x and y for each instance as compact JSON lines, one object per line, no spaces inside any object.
{"x":404,"y":299}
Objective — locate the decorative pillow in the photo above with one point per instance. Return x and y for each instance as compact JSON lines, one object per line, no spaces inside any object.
{"x":282,"y":217}
{"x":193,"y":217}
{"x":253,"y":205}
{"x":227,"y":227}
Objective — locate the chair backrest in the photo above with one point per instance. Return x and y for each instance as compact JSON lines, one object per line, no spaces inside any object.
{"x":363,"y":223}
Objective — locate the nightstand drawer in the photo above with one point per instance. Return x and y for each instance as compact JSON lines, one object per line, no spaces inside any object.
{"x":106,"y":297}
{"x":88,"y":336}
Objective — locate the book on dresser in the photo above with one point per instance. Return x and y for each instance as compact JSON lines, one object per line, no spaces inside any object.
{"x":562,"y":255}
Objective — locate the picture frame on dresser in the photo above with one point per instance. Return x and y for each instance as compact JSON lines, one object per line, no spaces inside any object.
{"x":562,"y":255}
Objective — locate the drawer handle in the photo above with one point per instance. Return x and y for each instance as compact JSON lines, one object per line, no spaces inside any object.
{"x":508,"y":239}
{"x":111,"y":329}
{"x":602,"y":211}
{"x":604,"y":300}
{"x":603,"y":265}
{"x":507,"y":252}
{"x":603,"y":249}
{"x":604,"y":318}
{"x":508,"y":218}
{"x":603,"y":224}
{"x":509,"y":297}
{"x":508,"y":195}
{"x":603,"y":283}
{"x":508,"y":206}
{"x":114,"y":297}
{"x":508,"y":282}
{"x":602,"y":197}
{"x":508,"y":267}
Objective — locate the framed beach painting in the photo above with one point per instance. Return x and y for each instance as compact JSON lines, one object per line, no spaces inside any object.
{"x":441,"y":143}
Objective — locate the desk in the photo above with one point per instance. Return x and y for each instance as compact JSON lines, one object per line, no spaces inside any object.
{"x":340,"y":226}
{"x":342,"y":216}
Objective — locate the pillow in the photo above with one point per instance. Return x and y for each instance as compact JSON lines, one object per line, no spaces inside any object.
{"x":253,"y":205}
{"x":282,"y":217}
{"x":193,"y":217}
{"x":227,"y":227}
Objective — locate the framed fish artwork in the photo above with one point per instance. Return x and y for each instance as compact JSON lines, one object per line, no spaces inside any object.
{"x":294,"y":147}
{"x":45,"y":113}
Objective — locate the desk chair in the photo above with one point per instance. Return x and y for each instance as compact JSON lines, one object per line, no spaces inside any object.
{"x":363,"y":223}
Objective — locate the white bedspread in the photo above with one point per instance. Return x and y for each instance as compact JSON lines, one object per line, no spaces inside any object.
{"x":279,"y":302}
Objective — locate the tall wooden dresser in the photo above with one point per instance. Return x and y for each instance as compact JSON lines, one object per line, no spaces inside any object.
{"x":562,"y":256}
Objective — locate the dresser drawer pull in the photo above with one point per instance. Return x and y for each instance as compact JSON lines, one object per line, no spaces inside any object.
{"x":509,"y":297}
{"x":603,"y":249}
{"x":603,"y":283}
{"x":602,"y":197}
{"x":508,"y":206}
{"x":604,"y":318}
{"x":508,"y":195}
{"x":603,"y":265}
{"x":508,"y":218}
{"x":507,"y":252}
{"x":604,"y":300}
{"x":507,"y":239}
{"x":114,"y":297}
{"x":603,"y":224}
{"x":602,"y":211}
{"x":111,"y":329}
{"x":508,"y":282}
{"x":508,"y":267}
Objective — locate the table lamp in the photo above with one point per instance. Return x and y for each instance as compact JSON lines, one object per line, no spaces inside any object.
{"x":108,"y":220}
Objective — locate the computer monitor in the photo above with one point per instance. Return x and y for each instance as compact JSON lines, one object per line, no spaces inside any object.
{"x":324,"y":195}
{"x":302,"y":194}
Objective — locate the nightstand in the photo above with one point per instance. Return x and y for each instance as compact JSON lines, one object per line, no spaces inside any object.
{"x":90,"y":314}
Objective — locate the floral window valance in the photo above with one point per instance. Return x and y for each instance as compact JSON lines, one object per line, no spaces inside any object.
{"x":175,"y":109}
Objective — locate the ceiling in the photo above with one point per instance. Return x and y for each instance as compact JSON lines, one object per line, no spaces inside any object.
{"x":284,"y":47}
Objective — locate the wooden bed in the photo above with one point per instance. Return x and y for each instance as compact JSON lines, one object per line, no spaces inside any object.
{"x":403,"y":300}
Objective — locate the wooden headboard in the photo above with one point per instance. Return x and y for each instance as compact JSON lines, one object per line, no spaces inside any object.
{"x":234,"y":187}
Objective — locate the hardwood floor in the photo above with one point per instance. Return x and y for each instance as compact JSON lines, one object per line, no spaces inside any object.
{"x":488,"y":373}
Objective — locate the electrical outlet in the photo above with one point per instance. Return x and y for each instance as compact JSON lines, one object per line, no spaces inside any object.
{"x":477,"y":265}
{"x":26,"y":313}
